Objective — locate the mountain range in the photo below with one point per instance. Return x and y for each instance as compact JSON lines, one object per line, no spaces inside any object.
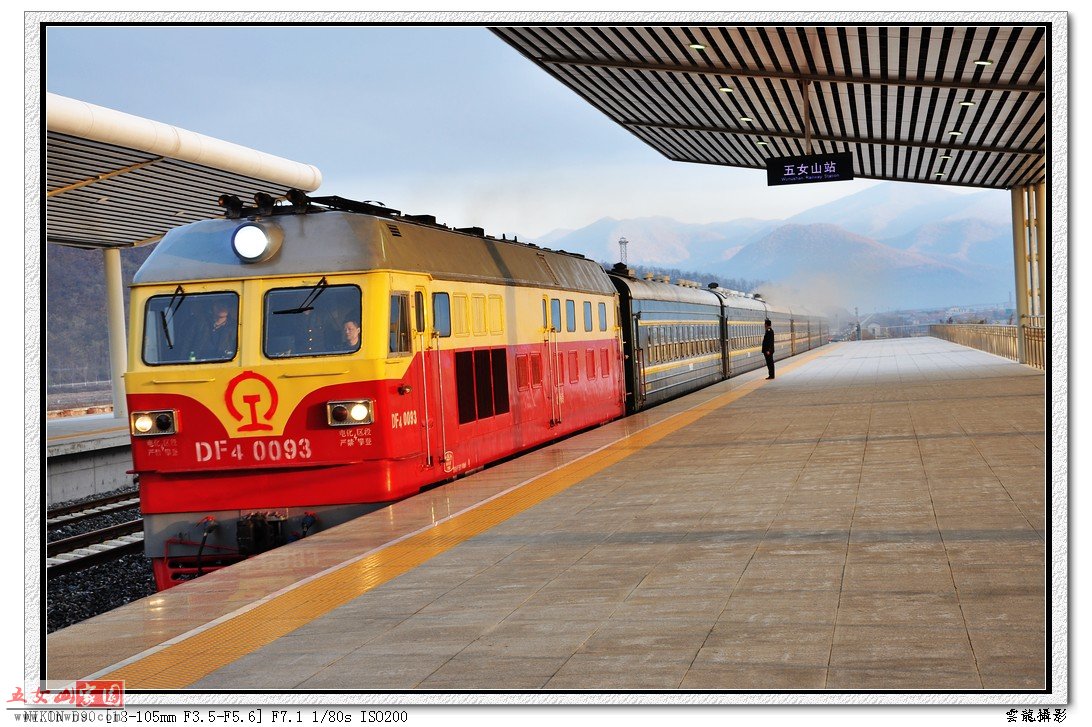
{"x":890,"y":246}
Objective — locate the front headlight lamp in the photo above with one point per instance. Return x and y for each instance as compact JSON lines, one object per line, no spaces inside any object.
{"x":253,"y":244}
{"x":153,"y":423}
{"x":350,"y":413}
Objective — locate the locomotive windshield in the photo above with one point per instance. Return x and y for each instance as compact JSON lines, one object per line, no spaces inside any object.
{"x":311,"y":321}
{"x":184,"y":328}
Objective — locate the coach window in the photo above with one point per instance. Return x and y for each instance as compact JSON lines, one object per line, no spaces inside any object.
{"x":194,"y":328}
{"x":313,"y":320}
{"x":602,"y":316}
{"x":399,"y":325}
{"x":555,"y":314}
{"x":570,"y":316}
{"x":441,"y":314}
{"x":587,"y":316}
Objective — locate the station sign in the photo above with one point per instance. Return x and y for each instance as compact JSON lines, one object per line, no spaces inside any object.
{"x":836,"y":167}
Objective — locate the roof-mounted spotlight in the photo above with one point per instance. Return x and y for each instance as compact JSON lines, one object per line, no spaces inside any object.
{"x":233,"y":206}
{"x":264,"y":203}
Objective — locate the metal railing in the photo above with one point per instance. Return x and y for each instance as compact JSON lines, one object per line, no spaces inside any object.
{"x":999,"y":340}
{"x":1035,"y":341}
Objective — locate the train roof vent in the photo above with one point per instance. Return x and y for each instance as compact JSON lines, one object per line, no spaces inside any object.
{"x":394,"y":230}
{"x":649,"y":276}
{"x":479,"y":231}
{"x":427,"y":219}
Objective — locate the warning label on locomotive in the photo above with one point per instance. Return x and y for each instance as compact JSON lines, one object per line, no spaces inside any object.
{"x":258,"y":450}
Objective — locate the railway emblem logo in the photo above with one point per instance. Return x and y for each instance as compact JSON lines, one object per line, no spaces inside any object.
{"x":251,"y":397}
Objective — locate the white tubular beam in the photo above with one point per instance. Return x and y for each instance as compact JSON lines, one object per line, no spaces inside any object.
{"x":1020,"y":265}
{"x":77,"y":118}
{"x":115,"y":320}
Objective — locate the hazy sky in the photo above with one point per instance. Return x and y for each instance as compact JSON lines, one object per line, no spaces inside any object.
{"x":448,"y":121}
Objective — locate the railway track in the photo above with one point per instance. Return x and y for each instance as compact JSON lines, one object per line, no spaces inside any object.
{"x":71,"y":514}
{"x":93,"y":548}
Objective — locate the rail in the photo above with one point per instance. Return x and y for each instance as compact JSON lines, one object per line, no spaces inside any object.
{"x":999,"y":340}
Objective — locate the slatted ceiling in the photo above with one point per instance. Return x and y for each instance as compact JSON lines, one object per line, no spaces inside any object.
{"x":116,"y":180}
{"x":888,"y":94}
{"x":141,"y":204}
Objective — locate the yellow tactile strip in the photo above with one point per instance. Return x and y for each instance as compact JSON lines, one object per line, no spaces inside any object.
{"x":180,"y":664}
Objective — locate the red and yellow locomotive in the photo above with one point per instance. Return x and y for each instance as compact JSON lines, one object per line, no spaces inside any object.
{"x":294,"y":365}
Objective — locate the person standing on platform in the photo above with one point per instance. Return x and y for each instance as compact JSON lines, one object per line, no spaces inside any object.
{"x":767,"y":348}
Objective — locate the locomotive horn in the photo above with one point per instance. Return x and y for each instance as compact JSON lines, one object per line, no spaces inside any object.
{"x":233,"y":206}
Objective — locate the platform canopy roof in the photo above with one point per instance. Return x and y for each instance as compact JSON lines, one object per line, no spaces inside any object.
{"x":958,"y":104}
{"x":117,"y":180}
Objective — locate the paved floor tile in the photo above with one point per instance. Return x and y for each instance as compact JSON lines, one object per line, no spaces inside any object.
{"x":874,"y":519}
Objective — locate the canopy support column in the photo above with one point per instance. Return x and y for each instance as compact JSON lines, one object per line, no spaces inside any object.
{"x":115,"y":321}
{"x":1042,"y":241}
{"x":1022,"y":265}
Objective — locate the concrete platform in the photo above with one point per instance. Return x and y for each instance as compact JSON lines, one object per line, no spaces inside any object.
{"x":873,"y":519}
{"x":86,"y":455}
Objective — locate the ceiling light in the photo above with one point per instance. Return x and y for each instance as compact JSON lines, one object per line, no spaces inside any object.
{"x":761,"y":143}
{"x":983,"y":62}
{"x":946,"y":156}
{"x":697,"y":46}
{"x":745,"y":118}
{"x":955,"y":133}
{"x":939,"y":175}
{"x":726,"y":89}
{"x":966,"y":103}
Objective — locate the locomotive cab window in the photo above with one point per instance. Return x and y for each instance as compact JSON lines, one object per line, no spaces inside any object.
{"x":183,"y":328}
{"x":419,"y":311}
{"x":318,"y":320}
{"x":441,"y":314}
{"x":399,"y":342}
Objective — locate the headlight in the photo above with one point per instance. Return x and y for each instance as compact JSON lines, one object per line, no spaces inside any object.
{"x":253,"y":244}
{"x":153,"y":423}
{"x":350,"y":413}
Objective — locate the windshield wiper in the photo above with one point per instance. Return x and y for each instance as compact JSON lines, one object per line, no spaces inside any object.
{"x":173,"y":305}
{"x":166,"y":329}
{"x":308,"y":303}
